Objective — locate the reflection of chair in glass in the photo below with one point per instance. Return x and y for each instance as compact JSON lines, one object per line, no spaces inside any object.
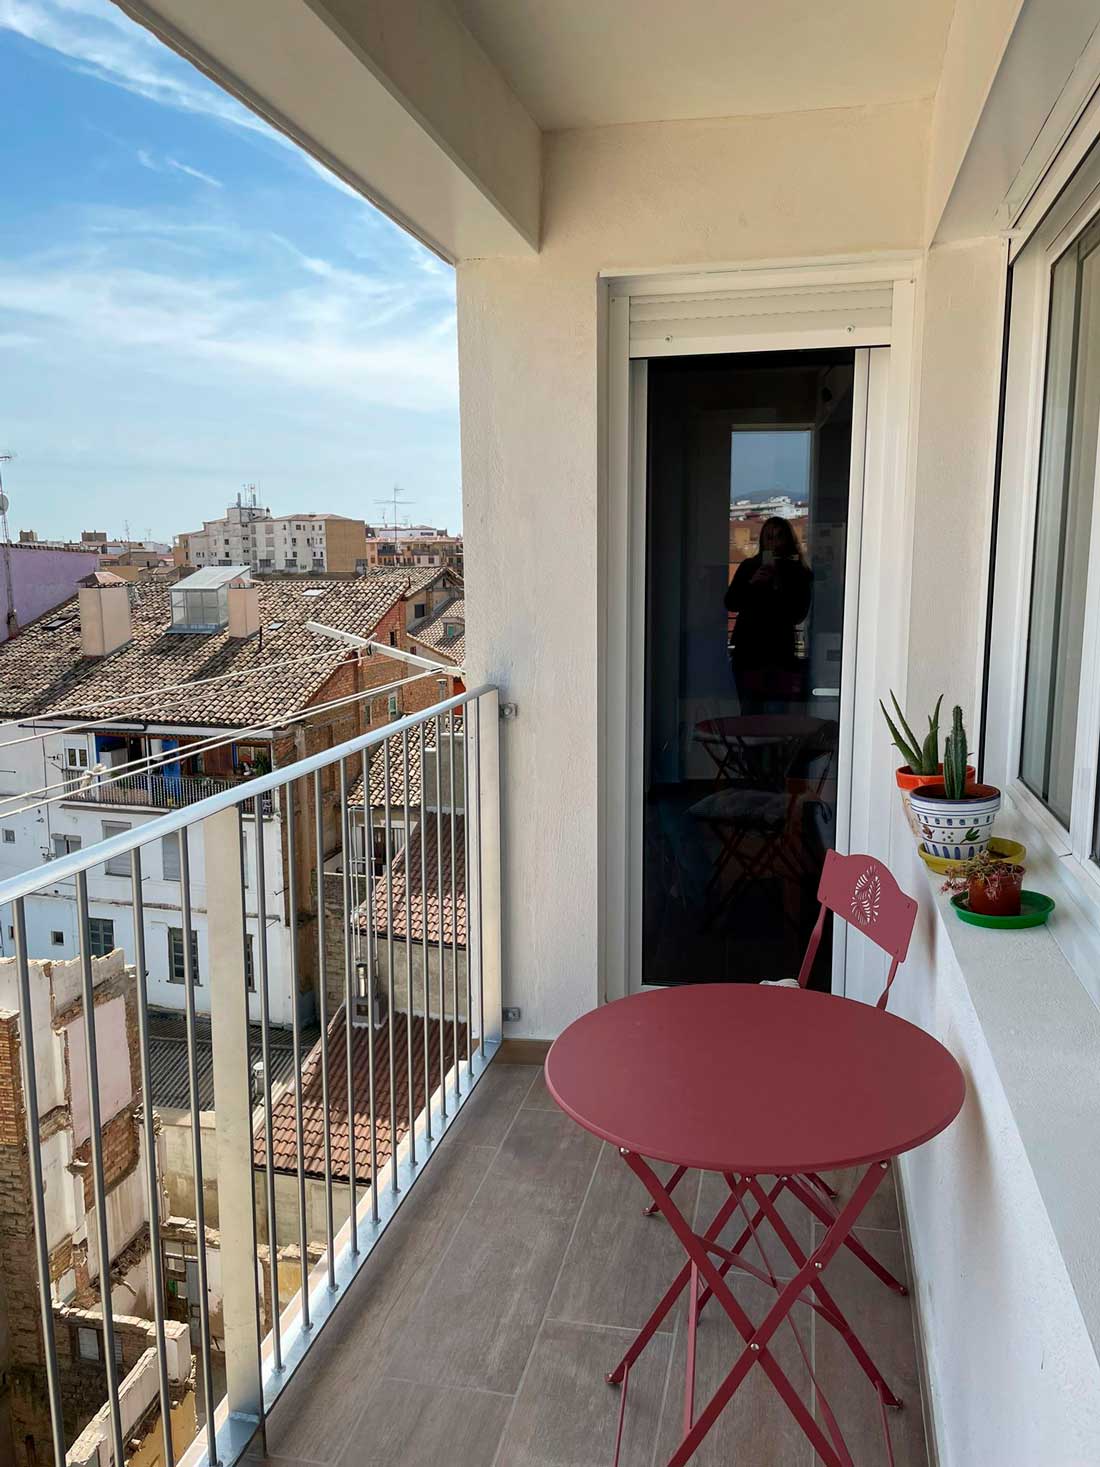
{"x":768,"y":832}
{"x":861,"y":891}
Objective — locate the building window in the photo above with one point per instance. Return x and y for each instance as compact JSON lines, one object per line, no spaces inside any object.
{"x":57,"y":938}
{"x":393,"y":705}
{"x":76,"y":756}
{"x":89,"y":1344}
{"x":101,"y":936}
{"x":116,"y":865}
{"x":170,"y":857}
{"x":393,"y":639}
{"x":420,"y":608}
{"x":9,"y":836}
{"x":176,"y":972}
{"x":64,"y":845}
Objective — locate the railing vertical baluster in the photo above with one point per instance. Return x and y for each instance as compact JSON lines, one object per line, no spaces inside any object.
{"x":296,"y":1043}
{"x":349,"y":998}
{"x":466,"y":891}
{"x":439,"y":918}
{"x":411,"y":1079}
{"x":38,"y":1189}
{"x":99,"y":1186}
{"x":454,"y":907}
{"x":189,"y":979}
{"x":424,"y":937}
{"x":152,"y":1190}
{"x":322,"y":1005}
{"x":368,"y":848}
{"x":480,"y":908}
{"x":389,"y":955}
{"x":260,"y":973}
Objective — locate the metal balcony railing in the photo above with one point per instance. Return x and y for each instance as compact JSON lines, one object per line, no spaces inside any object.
{"x":406,"y":972}
{"x":159,"y":791}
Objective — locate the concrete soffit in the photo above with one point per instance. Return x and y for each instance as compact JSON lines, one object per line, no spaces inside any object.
{"x":382,"y":100}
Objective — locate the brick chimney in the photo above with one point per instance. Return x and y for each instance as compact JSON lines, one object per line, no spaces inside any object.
{"x":104,"y":601}
{"x":244,"y":609}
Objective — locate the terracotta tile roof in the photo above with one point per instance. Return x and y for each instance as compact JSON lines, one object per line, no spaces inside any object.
{"x":43,"y":669}
{"x":419,"y":577}
{"x":449,"y":910}
{"x":431,"y":631}
{"x":284,"y":1149}
{"x":397,"y":767}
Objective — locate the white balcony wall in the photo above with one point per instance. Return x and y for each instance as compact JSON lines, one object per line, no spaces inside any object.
{"x":641,"y":197}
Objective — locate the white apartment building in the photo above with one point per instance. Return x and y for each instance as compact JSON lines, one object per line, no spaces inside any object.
{"x":130,"y":650}
{"x":248,"y":534}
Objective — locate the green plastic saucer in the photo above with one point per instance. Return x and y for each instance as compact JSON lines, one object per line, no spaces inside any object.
{"x":1035,"y":908}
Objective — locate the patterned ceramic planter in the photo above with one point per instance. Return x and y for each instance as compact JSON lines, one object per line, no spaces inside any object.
{"x":955,"y":829}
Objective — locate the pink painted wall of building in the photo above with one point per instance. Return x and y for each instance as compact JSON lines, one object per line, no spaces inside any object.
{"x":39,"y":579}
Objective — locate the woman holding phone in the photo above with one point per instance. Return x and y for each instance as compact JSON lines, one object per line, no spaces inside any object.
{"x":770,"y":594}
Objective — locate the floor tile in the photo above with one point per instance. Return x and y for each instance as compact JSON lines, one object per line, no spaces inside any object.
{"x":477,"y":1322}
{"x":317,"y":1411}
{"x":566,"y":1415}
{"x":492,"y":1108}
{"x":538,"y":1097}
{"x":413,"y":1425}
{"x":619,"y":1262}
{"x":884,"y":1322}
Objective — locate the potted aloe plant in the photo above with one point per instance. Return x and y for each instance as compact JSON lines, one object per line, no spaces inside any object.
{"x":954,"y":815}
{"x":993,"y":886}
{"x":922,"y":756}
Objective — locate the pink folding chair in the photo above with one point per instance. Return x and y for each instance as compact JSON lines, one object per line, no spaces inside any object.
{"x":861,"y":891}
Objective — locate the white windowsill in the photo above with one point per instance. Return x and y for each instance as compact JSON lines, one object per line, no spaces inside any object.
{"x":1043,"y":1032}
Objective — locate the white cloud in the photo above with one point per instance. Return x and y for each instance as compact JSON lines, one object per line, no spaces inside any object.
{"x":327,"y":329}
{"x":194,"y":172}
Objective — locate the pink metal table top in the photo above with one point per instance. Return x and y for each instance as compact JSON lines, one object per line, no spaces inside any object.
{"x":750,"y":1079}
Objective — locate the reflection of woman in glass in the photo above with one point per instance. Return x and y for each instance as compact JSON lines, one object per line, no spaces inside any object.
{"x":770,"y":592}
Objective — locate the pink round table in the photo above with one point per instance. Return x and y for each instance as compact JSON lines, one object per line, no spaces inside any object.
{"x":751,"y":1081}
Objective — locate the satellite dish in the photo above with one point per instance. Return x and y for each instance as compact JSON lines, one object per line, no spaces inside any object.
{"x":4,"y":504}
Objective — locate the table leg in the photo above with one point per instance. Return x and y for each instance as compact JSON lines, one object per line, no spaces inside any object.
{"x":843,"y":1328}
{"x":692,"y":1328}
{"x":756,"y":1337}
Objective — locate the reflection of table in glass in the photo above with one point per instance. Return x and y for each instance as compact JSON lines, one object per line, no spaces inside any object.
{"x":756,"y":748}
{"x":753,"y":1082}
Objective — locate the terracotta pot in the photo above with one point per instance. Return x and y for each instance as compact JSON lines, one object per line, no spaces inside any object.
{"x":955,"y":829}
{"x":1001,"y":899}
{"x":907,"y":780}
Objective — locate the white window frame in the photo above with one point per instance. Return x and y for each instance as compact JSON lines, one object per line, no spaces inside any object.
{"x":1065,"y":854}
{"x":884,"y":579}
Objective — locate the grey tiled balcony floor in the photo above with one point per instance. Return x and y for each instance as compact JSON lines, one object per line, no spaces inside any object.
{"x":480,"y":1331}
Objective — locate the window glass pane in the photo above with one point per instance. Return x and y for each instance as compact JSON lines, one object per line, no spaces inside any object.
{"x":170,"y":857}
{"x":1067,"y":470}
{"x":101,"y":933}
{"x":117,"y":865}
{"x":175,"y":955}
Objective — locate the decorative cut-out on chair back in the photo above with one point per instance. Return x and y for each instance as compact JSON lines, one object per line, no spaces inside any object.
{"x":862,"y":891}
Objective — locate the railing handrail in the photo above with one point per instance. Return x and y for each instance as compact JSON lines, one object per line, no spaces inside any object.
{"x":63,"y":868}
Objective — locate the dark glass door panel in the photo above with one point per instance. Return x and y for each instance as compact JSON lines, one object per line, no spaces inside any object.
{"x":749,"y":460}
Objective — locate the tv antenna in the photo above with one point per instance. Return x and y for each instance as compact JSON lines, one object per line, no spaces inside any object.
{"x":393,"y":502}
{"x":6,"y":457}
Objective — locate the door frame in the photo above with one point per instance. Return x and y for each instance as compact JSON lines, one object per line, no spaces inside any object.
{"x":878,"y":619}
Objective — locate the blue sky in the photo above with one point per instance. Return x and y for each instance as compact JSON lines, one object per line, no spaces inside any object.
{"x":188,"y":303}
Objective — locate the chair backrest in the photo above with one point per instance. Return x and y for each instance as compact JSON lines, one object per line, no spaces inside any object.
{"x":862,"y":891}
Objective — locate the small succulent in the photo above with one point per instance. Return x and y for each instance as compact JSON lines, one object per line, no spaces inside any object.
{"x":922,"y":756}
{"x":954,"y":757}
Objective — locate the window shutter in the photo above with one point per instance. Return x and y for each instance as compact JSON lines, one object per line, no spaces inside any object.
{"x":734,"y":320}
